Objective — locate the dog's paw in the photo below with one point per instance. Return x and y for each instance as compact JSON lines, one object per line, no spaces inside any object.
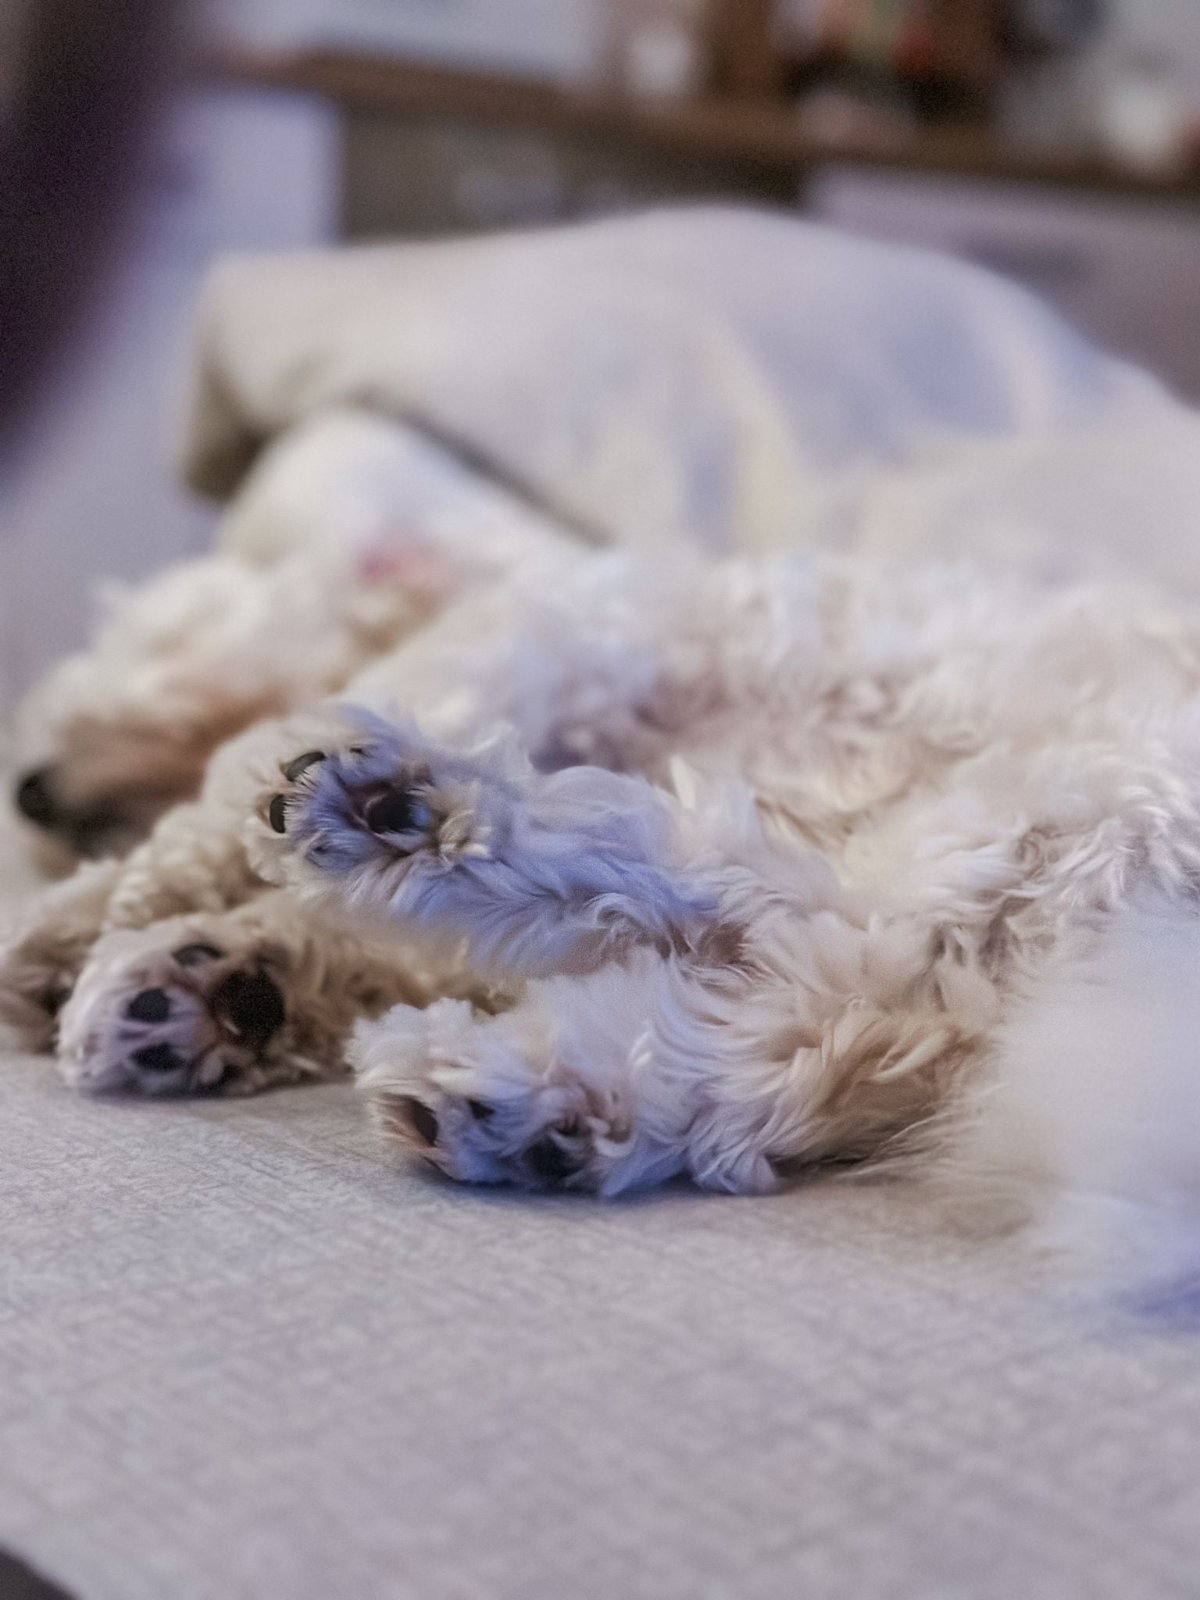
{"x":41,"y":957}
{"x":346,"y":805}
{"x":499,"y":1100}
{"x":383,"y":797}
{"x":170,"y":1010}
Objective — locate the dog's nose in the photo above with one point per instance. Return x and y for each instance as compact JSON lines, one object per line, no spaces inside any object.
{"x":34,"y":798}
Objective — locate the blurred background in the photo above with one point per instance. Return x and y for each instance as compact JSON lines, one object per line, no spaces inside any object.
{"x":1057,"y":141}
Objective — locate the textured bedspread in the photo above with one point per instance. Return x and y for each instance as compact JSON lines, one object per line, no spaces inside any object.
{"x":244,"y":1356}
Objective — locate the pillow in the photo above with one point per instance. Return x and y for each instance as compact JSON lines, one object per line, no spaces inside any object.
{"x":720,"y":374}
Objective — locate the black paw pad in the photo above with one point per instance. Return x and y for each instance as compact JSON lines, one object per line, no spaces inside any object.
{"x":301,"y":764}
{"x":547,"y":1161}
{"x":277,"y":813}
{"x":152,"y":1005}
{"x":393,"y":811}
{"x":159,"y":1058}
{"x":195,"y":955}
{"x":251,"y":1004}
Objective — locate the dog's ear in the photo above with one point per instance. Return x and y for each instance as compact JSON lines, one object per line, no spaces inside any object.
{"x":402,"y":557}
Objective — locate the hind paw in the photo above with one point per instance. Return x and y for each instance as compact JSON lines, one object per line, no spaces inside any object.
{"x":170,"y":1010}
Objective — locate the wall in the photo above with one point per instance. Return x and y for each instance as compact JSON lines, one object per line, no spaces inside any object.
{"x":1170,"y":28}
{"x":96,"y":497}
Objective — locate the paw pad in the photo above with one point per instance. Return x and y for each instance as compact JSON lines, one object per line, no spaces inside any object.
{"x":548,"y":1162}
{"x":394,"y":811}
{"x":251,"y":1005}
{"x":152,"y":1005}
{"x":422,"y":1121}
{"x":159,"y":1058}
{"x":300,"y":765}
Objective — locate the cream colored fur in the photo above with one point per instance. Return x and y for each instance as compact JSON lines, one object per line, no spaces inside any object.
{"x":780,"y":865}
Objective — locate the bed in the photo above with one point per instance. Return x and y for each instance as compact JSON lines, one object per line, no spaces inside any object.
{"x":246,"y":1354}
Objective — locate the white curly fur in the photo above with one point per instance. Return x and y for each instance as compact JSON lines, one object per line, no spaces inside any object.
{"x":781,"y":861}
{"x":905,"y":793}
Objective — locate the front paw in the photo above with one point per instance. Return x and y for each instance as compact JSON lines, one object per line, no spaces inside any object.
{"x":383,"y":796}
{"x":462,"y":1092}
{"x":330,"y":806}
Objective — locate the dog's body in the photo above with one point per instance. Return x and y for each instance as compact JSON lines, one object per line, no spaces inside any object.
{"x":787,"y":863}
{"x":899,"y":822}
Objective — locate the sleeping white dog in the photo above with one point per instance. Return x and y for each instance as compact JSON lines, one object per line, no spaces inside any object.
{"x":611,"y":868}
{"x":777,"y":863}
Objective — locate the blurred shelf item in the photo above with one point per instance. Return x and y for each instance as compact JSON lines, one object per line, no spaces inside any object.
{"x":548,"y":39}
{"x":657,"y":47}
{"x":760,"y":146}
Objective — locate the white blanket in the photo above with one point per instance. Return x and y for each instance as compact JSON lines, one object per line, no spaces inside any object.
{"x":736,"y":378}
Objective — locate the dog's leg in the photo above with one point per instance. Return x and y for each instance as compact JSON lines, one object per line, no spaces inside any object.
{"x":193,"y":861}
{"x":562,"y":681}
{"x":233,"y":1001}
{"x":538,"y":874}
{"x":819,"y":1044}
{"x":709,"y":1004}
{"x":43,"y":953}
{"x":201,"y":977}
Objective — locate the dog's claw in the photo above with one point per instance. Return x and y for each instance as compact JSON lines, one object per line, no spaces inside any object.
{"x":300,"y":765}
{"x":277,"y":813}
{"x":194,"y":955}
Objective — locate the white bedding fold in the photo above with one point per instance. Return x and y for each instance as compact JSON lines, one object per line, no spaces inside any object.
{"x":728,"y":376}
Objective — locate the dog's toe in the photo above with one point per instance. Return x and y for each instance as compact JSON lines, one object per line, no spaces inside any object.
{"x":151,"y":1005}
{"x":300,"y":765}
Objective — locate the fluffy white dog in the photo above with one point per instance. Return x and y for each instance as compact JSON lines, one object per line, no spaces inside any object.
{"x":784,"y":863}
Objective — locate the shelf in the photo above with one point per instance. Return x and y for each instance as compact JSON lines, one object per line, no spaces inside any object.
{"x":759,"y":135}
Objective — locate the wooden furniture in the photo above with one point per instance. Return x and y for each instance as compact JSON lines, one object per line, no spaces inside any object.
{"x":421,"y":141}
{"x":745,"y":62}
{"x":430,"y":150}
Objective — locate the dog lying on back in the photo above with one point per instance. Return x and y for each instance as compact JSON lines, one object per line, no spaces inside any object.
{"x":616,"y":872}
